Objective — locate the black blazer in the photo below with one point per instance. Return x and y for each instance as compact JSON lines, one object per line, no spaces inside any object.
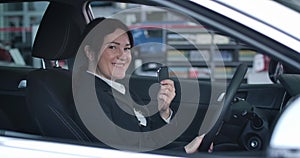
{"x":117,"y":127}
{"x":119,"y":108}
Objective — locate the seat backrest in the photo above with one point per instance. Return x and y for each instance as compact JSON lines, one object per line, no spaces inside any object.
{"x":50,"y":100}
{"x":49,"y":90}
{"x":5,"y":122}
{"x":291,"y":83}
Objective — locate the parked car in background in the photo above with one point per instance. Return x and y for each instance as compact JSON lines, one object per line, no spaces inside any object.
{"x":235,"y":65}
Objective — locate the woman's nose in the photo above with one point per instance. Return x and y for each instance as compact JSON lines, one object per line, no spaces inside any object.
{"x":121,"y":53}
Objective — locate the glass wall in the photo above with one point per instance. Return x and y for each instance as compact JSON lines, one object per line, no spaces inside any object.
{"x":18,"y":25}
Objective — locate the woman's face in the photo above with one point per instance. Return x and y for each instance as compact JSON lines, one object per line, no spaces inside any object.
{"x":115,"y":55}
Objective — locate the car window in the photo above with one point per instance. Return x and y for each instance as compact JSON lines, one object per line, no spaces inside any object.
{"x":18,"y":27}
{"x":163,"y":37}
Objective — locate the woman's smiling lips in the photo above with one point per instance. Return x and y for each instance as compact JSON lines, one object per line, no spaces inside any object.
{"x":119,"y":65}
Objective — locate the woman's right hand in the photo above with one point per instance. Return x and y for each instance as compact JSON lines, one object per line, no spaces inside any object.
{"x":165,"y":96}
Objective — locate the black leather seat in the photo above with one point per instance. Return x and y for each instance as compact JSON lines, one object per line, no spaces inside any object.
{"x":49,"y":90}
{"x":50,"y":100}
{"x":5,"y":123}
{"x":291,"y":83}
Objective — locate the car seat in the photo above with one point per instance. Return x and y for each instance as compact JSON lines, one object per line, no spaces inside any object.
{"x":49,"y":89}
{"x":5,"y":123}
{"x":291,"y":83}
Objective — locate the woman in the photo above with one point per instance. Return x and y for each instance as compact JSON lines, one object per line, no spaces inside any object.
{"x":107,"y":50}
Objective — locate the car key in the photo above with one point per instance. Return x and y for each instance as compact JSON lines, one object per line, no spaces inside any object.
{"x":162,"y":73}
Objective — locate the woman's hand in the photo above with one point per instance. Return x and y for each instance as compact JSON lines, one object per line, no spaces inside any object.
{"x":165,"y":96}
{"x":193,"y":146}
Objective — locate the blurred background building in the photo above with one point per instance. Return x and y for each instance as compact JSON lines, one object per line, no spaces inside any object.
{"x":19,"y":21}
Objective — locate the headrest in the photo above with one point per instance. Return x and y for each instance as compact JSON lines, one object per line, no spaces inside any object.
{"x":59,"y":32}
{"x":291,"y":83}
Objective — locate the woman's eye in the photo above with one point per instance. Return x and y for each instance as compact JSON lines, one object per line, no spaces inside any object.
{"x":127,"y":49}
{"x":112,"y":47}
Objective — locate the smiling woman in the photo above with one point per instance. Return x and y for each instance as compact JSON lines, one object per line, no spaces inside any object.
{"x":106,"y":66}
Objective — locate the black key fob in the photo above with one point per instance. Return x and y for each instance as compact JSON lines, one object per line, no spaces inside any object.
{"x":162,"y":73}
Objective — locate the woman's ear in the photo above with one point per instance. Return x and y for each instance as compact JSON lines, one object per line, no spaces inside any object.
{"x":89,"y":53}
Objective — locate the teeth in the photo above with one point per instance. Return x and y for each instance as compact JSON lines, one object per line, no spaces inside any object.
{"x":118,"y":64}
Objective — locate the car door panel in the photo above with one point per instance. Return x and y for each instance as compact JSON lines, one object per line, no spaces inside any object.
{"x":267,"y":96}
{"x":13,"y":100}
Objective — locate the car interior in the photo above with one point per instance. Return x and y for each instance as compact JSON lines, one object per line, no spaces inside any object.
{"x":38,"y":102}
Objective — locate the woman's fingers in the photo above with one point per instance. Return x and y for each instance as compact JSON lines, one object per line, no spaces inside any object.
{"x":167,"y":88}
{"x":166,"y":93}
{"x":193,"y":146}
{"x":165,"y":96}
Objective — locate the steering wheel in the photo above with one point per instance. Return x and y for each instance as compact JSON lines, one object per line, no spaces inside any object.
{"x":229,"y":95}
